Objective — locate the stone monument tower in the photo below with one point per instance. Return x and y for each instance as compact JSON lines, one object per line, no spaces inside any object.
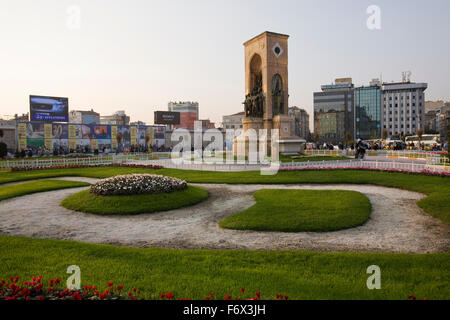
{"x":266,"y":89}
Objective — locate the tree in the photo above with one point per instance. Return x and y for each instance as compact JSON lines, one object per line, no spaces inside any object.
{"x":348,"y":138}
{"x":118,"y":139}
{"x":3,"y":150}
{"x":419,"y":135}
{"x":316,"y":137}
{"x":147,"y":139}
{"x":384,"y":135}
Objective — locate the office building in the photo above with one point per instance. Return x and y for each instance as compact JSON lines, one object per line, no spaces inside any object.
{"x":300,"y":122}
{"x":431,"y":121}
{"x":8,"y":134}
{"x":233,"y":121}
{"x":334,"y":112}
{"x":403,"y":108}
{"x":368,"y":111}
{"x":84,"y":117}
{"x":119,"y":118}
{"x":188,"y":114}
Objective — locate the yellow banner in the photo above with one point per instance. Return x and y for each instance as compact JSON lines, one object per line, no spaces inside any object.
{"x":113,"y":137}
{"x":22,"y":136}
{"x":133,"y":135}
{"x":48,"y":134}
{"x":72,"y":131}
{"x":151,"y":135}
{"x":22,"y":130}
{"x":48,"y":143}
{"x":94,"y":144}
{"x":72,"y":144}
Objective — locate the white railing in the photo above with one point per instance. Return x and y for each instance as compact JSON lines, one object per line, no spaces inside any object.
{"x":84,"y":161}
{"x":338,"y":164}
{"x":152,"y":159}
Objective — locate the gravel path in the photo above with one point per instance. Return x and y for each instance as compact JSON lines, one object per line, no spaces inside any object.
{"x":396,"y":224}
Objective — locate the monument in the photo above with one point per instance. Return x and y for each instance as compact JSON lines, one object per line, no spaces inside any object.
{"x":266,"y":91}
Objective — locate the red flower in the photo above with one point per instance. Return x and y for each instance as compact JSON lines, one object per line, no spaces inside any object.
{"x":258,"y":294}
{"x":120,"y":287}
{"x":227,"y":297}
{"x":169,"y":295}
{"x":242,"y":290}
{"x":110,"y":284}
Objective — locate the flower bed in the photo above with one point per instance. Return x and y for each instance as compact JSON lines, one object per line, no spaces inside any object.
{"x":69,"y":166}
{"x":36,"y":290}
{"x":424,"y":171}
{"x":137,"y":184}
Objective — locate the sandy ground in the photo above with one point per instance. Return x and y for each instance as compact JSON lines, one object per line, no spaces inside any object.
{"x":396,"y":224}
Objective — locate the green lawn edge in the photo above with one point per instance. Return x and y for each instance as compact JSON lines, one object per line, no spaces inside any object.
{"x":21,"y":189}
{"x":279,"y":210}
{"x":87,"y":202}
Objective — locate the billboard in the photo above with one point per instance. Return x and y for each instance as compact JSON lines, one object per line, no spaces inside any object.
{"x":167,"y":117}
{"x":63,"y":137}
{"x":44,"y":108}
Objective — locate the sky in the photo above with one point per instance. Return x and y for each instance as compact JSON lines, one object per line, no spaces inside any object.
{"x":137,"y":55}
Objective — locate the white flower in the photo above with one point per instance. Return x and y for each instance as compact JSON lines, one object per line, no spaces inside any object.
{"x":137,"y":184}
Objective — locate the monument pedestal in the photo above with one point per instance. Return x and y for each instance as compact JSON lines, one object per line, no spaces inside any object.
{"x":243,"y":140}
{"x":288,"y":143}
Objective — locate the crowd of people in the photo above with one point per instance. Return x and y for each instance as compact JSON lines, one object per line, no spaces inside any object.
{"x":380,"y":145}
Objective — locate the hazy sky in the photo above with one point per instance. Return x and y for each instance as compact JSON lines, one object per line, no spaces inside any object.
{"x":137,"y":55}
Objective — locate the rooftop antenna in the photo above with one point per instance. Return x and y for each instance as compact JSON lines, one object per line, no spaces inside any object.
{"x":406,"y":76}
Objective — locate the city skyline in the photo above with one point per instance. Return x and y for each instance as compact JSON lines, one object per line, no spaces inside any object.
{"x":132,"y":58}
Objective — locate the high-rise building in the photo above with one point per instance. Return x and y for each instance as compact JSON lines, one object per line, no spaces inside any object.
{"x":334,"y":112}
{"x":300,"y":122}
{"x":84,"y":117}
{"x":403,"y":107}
{"x":188,"y":114}
{"x":368,"y":112}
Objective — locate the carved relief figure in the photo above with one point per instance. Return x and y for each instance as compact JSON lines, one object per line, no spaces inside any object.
{"x":254,"y":101}
{"x":277,"y":95}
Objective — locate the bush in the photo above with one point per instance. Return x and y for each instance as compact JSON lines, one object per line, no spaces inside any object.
{"x":137,"y":184}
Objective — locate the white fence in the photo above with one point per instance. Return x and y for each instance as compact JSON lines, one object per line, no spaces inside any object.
{"x":338,"y":164}
{"x":149,"y":159}
{"x":84,"y":161}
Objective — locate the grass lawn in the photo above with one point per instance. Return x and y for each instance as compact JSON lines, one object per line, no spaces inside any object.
{"x":437,"y":187}
{"x":302,"y":210}
{"x":21,"y":189}
{"x":196,"y":273}
{"x":85,"y":201}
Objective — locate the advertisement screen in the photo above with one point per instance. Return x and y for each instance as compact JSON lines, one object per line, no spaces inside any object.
{"x":167,"y":117}
{"x":49,"y":109}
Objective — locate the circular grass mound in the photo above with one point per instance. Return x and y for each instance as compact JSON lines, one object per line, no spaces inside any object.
{"x":301,"y":211}
{"x":88,"y":202}
{"x":137,"y":184}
